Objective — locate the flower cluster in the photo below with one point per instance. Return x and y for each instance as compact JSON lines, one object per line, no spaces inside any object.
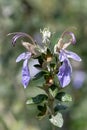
{"x":51,"y":64}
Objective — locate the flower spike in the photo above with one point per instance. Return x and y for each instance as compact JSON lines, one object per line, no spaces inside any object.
{"x":41,"y":62}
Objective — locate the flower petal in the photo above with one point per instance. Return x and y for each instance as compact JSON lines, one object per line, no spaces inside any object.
{"x":73,"y":40}
{"x":73,"y":37}
{"x":23,"y":56}
{"x":64,"y":74}
{"x":18,"y":35}
{"x":72,"y":55}
{"x":62,"y":55}
{"x":14,"y":39}
{"x":25,"y":74}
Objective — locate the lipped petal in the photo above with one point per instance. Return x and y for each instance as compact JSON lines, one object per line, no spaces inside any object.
{"x":73,"y":39}
{"x":23,"y":56}
{"x":62,"y":56}
{"x":25,"y":74}
{"x":14,"y":39}
{"x":64,"y":74}
{"x":72,"y":55}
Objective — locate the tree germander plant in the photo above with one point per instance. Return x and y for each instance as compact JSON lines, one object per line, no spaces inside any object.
{"x":53,"y":63}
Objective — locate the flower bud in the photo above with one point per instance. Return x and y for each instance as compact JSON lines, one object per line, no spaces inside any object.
{"x":46,"y":34}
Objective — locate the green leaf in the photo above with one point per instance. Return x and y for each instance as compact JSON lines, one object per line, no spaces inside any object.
{"x":39,"y":75}
{"x":59,"y":95}
{"x":52,"y":65}
{"x":37,"y":66}
{"x":43,"y":56}
{"x":42,"y":110}
{"x":53,"y":87}
{"x":57,"y":120}
{"x":41,"y":115}
{"x":29,"y":101}
{"x":67,"y":98}
{"x":53,"y":92}
{"x":62,"y":96}
{"x":49,"y":52}
{"x":40,"y":59}
{"x":60,"y":107}
{"x":38,"y":99}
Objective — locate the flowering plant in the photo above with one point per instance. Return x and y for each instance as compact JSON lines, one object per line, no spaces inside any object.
{"x":53,"y":63}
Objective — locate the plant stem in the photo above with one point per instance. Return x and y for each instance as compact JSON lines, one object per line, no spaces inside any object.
{"x":52,"y":110}
{"x":50,"y":103}
{"x":53,"y":127}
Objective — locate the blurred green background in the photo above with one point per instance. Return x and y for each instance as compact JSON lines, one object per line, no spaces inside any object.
{"x":30,"y":16}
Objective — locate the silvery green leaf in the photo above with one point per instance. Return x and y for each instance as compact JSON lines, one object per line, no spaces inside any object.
{"x":43,"y":110}
{"x":60,"y":107}
{"x":29,"y":101}
{"x":53,"y":92}
{"x":66,"y":98}
{"x":37,"y":99}
{"x":57,"y":120}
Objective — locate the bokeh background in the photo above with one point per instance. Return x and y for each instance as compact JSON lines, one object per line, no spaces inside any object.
{"x":30,"y":16}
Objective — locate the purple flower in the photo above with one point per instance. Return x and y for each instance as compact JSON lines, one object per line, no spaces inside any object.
{"x":24,"y":56}
{"x":64,"y":74}
{"x":65,"y":69}
{"x":25,"y":70}
{"x":33,"y":49}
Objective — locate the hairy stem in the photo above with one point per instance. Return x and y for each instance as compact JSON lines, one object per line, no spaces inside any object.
{"x":50,"y":103}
